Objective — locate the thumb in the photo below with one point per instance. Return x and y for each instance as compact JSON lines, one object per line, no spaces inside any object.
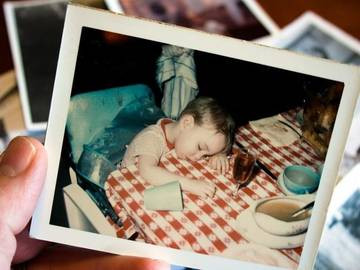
{"x":23,"y":168}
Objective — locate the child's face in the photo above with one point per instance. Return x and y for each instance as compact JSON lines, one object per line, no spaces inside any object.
{"x":195,"y":142}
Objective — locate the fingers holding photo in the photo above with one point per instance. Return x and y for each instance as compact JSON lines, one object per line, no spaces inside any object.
{"x":23,"y":168}
{"x":22,"y":172}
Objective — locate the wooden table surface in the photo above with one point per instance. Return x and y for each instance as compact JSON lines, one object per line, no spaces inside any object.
{"x":344,"y":14}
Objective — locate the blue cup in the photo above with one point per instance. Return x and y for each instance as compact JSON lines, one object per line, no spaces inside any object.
{"x":300,"y":179}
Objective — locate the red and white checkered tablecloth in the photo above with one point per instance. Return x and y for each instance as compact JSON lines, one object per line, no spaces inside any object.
{"x":205,"y":225}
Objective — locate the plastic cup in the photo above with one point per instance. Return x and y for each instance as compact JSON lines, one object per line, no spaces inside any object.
{"x":167,"y":197}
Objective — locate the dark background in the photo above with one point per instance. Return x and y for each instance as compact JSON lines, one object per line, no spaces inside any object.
{"x":249,"y":91}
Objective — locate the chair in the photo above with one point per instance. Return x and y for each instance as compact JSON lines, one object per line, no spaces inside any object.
{"x":99,"y":126}
{"x":82,"y":212}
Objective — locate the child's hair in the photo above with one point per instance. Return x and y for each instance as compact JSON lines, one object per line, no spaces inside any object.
{"x":207,"y":109}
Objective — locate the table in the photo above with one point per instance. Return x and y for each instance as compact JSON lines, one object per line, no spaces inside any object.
{"x":10,"y":105}
{"x":205,"y":226}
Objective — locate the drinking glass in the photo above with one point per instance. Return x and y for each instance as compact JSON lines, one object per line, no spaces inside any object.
{"x":244,"y":163}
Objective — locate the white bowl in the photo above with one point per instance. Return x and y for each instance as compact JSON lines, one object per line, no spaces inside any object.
{"x":278,"y":225}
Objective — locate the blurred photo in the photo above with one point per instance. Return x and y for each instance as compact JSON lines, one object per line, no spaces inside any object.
{"x":313,"y":35}
{"x":317,"y":43}
{"x":35,"y":29}
{"x":235,"y":18}
{"x":341,"y":231}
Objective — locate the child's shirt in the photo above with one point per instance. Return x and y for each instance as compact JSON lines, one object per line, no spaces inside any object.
{"x":150,"y":141}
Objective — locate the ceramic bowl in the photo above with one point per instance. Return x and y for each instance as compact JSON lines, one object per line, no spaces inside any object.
{"x":300,"y":179}
{"x":277,"y":226}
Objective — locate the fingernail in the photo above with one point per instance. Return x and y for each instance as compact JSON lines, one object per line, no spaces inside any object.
{"x":17,"y":157}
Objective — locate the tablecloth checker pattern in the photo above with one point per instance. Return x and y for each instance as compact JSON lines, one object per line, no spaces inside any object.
{"x":277,"y":158}
{"x":205,"y":226}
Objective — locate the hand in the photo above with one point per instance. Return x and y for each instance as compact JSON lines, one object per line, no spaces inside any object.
{"x":220,"y":163}
{"x":22,"y":172}
{"x":23,"y":168}
{"x":201,"y":188}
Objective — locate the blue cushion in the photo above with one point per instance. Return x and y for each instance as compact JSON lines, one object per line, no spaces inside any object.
{"x":89,"y":113}
{"x":100,"y":125}
{"x":112,"y":140}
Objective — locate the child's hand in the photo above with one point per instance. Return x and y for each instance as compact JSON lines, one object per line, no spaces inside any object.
{"x":201,"y":187}
{"x":219,"y":162}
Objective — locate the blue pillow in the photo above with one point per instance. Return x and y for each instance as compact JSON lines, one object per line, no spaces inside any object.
{"x":107,"y":148}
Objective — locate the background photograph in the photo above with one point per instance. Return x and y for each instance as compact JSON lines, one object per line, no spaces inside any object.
{"x":313,"y":35}
{"x":35,"y":30}
{"x":226,"y":17}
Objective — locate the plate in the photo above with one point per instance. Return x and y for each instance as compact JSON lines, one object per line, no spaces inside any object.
{"x":258,"y":254}
{"x":247,"y":227}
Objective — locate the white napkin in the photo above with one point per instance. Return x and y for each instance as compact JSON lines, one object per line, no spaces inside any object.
{"x":258,"y":254}
{"x":276,"y":132}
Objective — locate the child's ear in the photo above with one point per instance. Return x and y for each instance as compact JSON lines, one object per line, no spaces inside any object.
{"x":187,"y":121}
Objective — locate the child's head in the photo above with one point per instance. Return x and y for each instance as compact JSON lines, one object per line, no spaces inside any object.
{"x":206,"y":129}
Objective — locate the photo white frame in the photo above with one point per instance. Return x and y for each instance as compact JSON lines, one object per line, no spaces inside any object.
{"x":299,"y":26}
{"x":262,"y":16}
{"x":14,"y":38}
{"x":252,"y":5}
{"x":78,"y":17}
{"x":114,"y":6}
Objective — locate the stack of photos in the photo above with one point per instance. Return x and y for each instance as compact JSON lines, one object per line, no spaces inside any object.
{"x":133,"y":171}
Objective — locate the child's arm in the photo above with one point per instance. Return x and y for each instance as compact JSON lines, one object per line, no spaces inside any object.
{"x":155,"y":175}
{"x":219,"y":162}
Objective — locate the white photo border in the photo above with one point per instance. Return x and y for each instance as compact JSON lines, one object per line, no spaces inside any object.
{"x":262,"y":16}
{"x":78,"y":17}
{"x":114,"y":6}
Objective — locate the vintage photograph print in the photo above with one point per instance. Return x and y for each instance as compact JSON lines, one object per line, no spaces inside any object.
{"x":341,"y":230}
{"x":313,"y":35}
{"x":243,"y":19}
{"x":197,"y":149}
{"x":34,"y":29}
